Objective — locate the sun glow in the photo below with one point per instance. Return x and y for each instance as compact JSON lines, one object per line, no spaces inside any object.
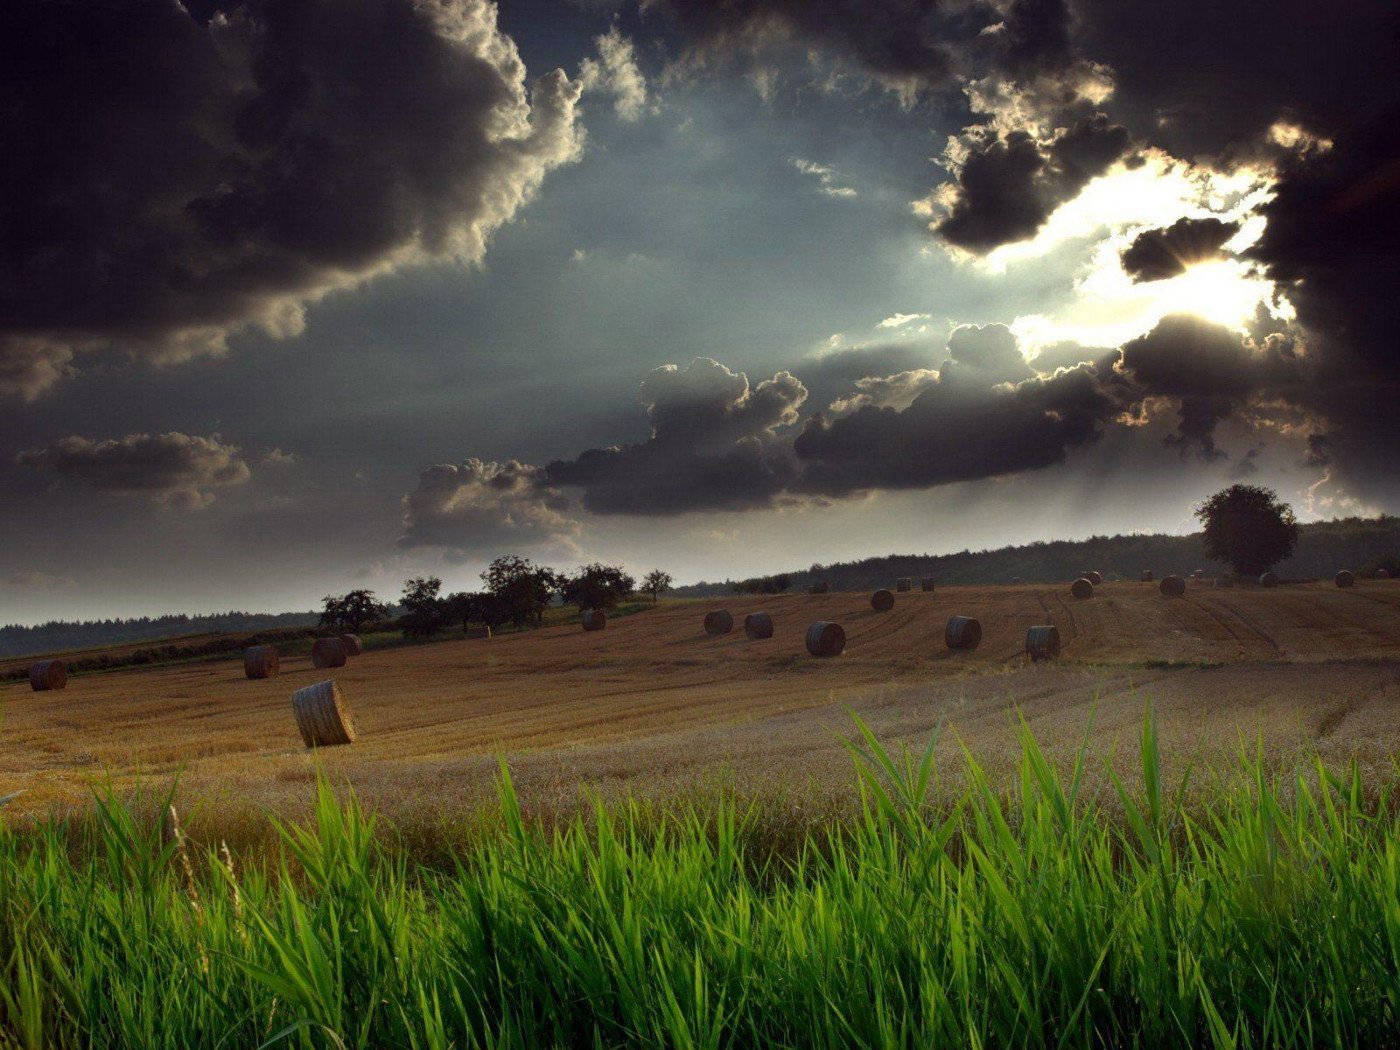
{"x":1223,"y":291}
{"x":1110,"y":308}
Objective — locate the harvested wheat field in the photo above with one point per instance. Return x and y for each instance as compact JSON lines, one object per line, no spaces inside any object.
{"x":654,"y":703}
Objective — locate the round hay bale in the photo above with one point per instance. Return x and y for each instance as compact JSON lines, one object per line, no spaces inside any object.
{"x":820,"y":587}
{"x":825,"y":638}
{"x":1095,"y":577}
{"x":1082,"y":588}
{"x":963,"y":632}
{"x":718,"y":621}
{"x":594,"y":619}
{"x":1345,"y":578}
{"x":477,"y":632}
{"x":1148,"y":575}
{"x":353,"y":645}
{"x":1043,"y":643}
{"x":882,"y":601}
{"x":48,"y":674}
{"x":903,"y":586}
{"x":322,"y":715}
{"x":758,"y":625}
{"x":1268,"y":579}
{"x":261,"y":661}
{"x":1172,"y":587}
{"x":328,"y":652}
{"x":1382,"y":574}
{"x":926,"y":584}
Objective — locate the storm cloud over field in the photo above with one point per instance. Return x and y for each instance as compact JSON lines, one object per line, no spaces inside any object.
{"x":749,"y":282}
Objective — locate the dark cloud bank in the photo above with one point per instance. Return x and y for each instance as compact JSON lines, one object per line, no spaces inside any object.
{"x":174,"y":174}
{"x":720,"y":443}
{"x":181,"y":470}
{"x":1057,"y":94}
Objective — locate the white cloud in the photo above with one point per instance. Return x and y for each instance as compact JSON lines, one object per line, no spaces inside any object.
{"x":900,"y":320}
{"x":826,"y":177}
{"x":615,"y":72}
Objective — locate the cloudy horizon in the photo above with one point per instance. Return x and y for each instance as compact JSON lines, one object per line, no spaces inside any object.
{"x":308,"y":295}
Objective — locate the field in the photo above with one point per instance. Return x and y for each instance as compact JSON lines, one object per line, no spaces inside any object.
{"x":1062,"y":882}
{"x":652,"y":704}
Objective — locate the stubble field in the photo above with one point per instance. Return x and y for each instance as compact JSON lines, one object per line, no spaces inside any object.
{"x":653,"y":705}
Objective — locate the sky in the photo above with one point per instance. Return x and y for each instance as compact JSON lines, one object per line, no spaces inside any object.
{"x":304,"y":295}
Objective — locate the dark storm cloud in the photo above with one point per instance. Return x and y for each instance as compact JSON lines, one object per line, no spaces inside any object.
{"x":985,"y":413}
{"x":174,"y":174}
{"x":181,"y":470}
{"x":1210,"y":372}
{"x":713,"y":446}
{"x":905,"y":44}
{"x":718,"y":443}
{"x":834,"y":374}
{"x":1209,"y":80}
{"x":1008,"y":184}
{"x":1307,"y":89}
{"x":480,"y":505}
{"x":1156,"y":255}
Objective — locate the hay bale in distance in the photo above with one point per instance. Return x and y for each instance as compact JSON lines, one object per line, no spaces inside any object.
{"x":261,"y":661}
{"x":718,"y":621}
{"x":48,"y":674}
{"x":328,"y":652}
{"x":1095,"y":577}
{"x":882,"y":601}
{"x":963,"y":632}
{"x":477,"y":632}
{"x":820,"y":587}
{"x":1043,"y":642}
{"x":903,"y":585}
{"x":1268,"y":579}
{"x":926,"y":584}
{"x":1172,"y":587}
{"x":353,"y":645}
{"x":1082,"y":588}
{"x":594,"y":619}
{"x":1148,"y":575}
{"x":1345,"y":578}
{"x":322,"y":716}
{"x":758,"y":625}
{"x":825,"y":638}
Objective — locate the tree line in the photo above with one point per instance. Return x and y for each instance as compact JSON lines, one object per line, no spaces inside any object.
{"x":62,"y":635}
{"x":515,"y":591}
{"x":1294,"y":550}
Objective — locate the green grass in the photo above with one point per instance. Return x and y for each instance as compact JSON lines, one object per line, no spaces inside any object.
{"x":1033,"y":914}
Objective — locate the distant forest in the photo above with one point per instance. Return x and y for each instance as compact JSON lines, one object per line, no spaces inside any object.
{"x":60,"y":636}
{"x":1359,"y":544}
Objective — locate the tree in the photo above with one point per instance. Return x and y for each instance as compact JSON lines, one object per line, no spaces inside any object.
{"x":1249,"y":528}
{"x":656,"y":583}
{"x":597,"y":586}
{"x":424,"y":612}
{"x":522,"y":588}
{"x":469,"y":607}
{"x":763,"y":585}
{"x":352,"y":611}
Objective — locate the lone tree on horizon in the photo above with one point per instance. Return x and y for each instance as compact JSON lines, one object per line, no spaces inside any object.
{"x":656,"y":583}
{"x":1249,"y":528}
